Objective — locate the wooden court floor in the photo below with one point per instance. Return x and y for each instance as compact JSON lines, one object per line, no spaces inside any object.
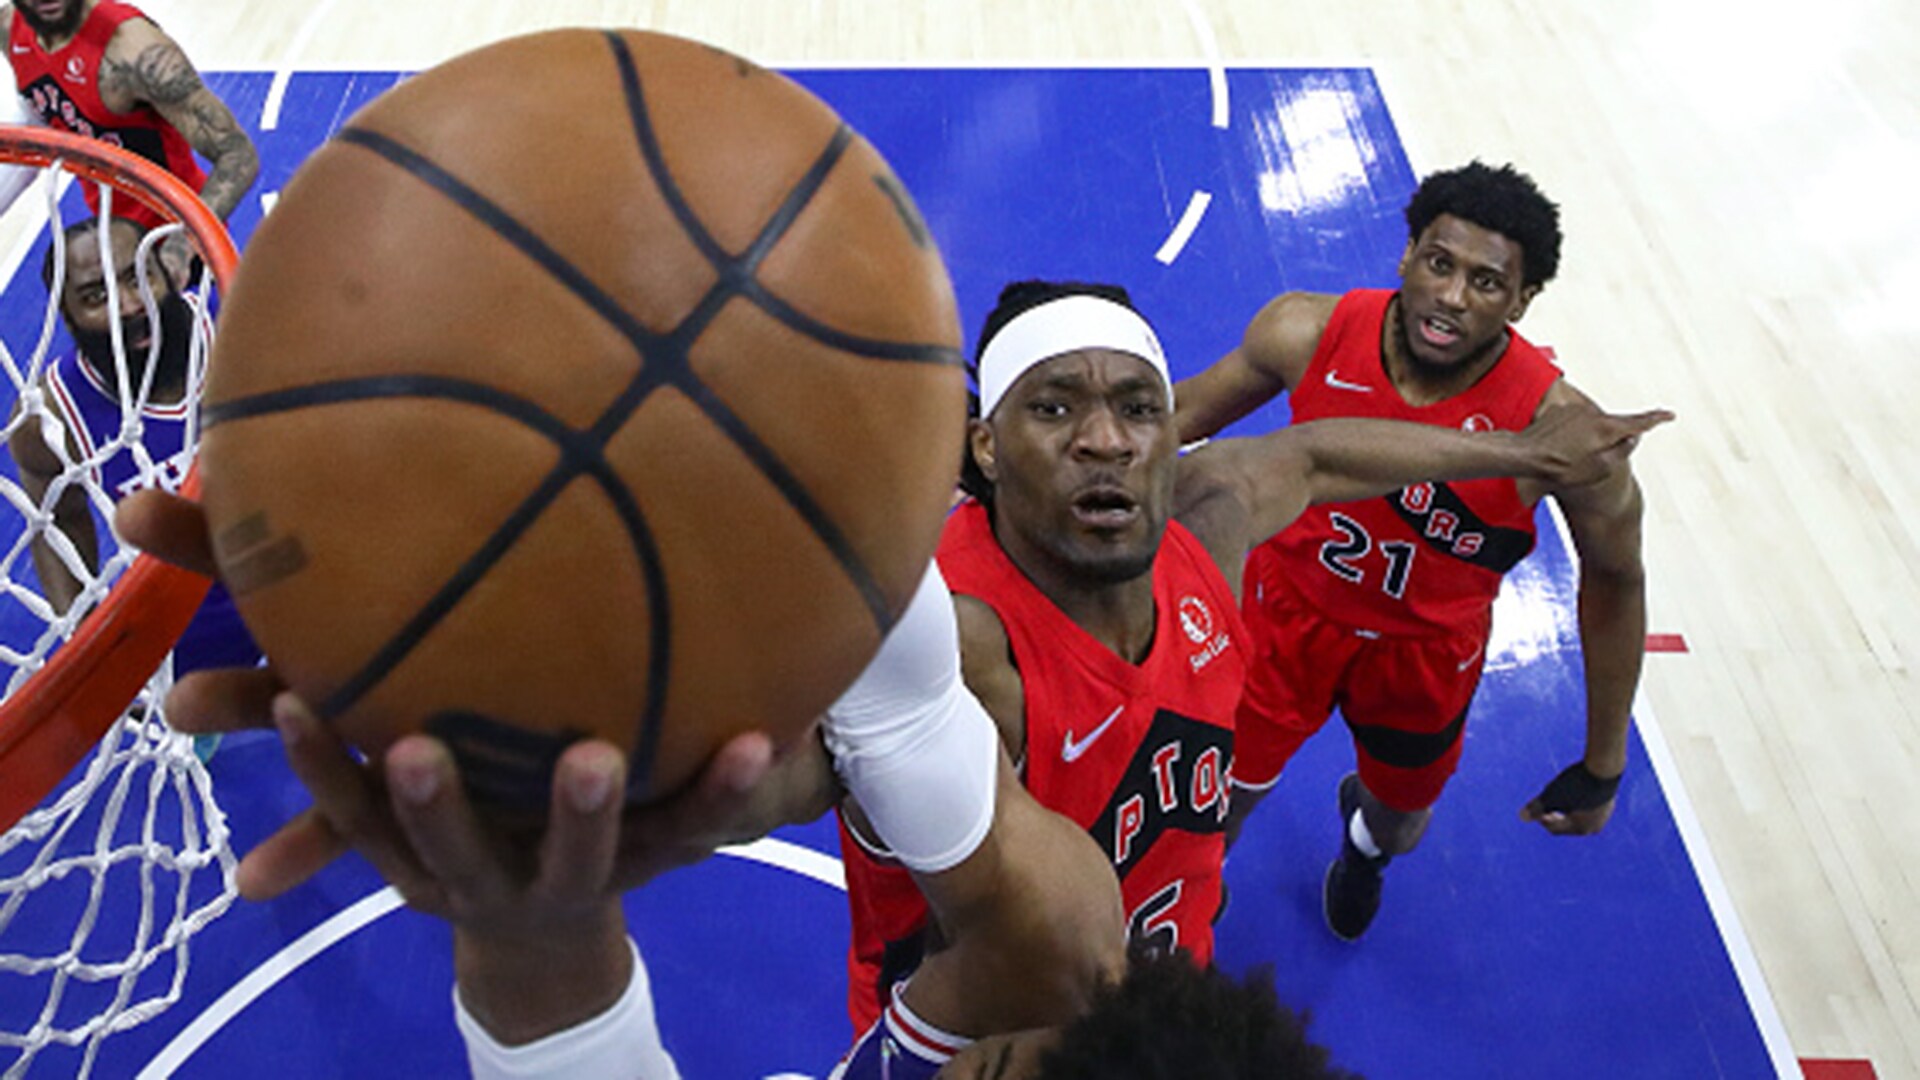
{"x":1741,"y":249}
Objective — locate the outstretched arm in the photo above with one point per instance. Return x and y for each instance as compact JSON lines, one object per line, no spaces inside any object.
{"x":143,"y":63}
{"x":1272,"y":355}
{"x":1237,"y":492}
{"x":1033,"y":924}
{"x":1026,"y":901}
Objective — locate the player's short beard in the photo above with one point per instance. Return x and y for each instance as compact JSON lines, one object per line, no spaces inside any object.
{"x":1421,"y":369}
{"x":64,"y":27}
{"x":176,"y":342}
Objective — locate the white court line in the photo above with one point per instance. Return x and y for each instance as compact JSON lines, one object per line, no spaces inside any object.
{"x":1177,"y":240}
{"x":779,"y":854}
{"x":277,"y":92}
{"x":1746,"y":966}
{"x":1216,"y":71}
{"x":265,"y":977}
{"x":793,"y":858}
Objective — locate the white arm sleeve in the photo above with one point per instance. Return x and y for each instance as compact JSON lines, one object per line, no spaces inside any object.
{"x":913,"y":744}
{"x":622,"y":1043}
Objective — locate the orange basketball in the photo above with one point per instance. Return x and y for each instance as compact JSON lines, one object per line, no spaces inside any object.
{"x":588,"y":384}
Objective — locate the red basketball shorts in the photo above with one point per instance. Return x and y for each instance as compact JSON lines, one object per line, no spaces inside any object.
{"x":1404,"y":699}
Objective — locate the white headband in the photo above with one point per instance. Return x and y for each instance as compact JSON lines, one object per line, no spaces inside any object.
{"x":1066,"y":325}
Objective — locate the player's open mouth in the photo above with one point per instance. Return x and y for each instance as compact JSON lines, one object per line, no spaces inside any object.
{"x":1105,"y":507}
{"x":1438,"y":332}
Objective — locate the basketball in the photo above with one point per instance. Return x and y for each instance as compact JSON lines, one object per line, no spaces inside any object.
{"x":589,"y":384}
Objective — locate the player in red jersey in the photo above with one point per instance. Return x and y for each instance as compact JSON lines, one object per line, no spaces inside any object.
{"x":1383,"y":607}
{"x":549,"y":984}
{"x":104,"y":70}
{"x":1096,"y":575}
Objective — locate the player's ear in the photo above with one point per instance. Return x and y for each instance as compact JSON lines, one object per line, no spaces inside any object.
{"x":980,"y":441}
{"x":1406,"y":258}
{"x":1527,"y":293}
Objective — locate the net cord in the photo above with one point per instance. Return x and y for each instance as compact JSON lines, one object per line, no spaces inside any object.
{"x":140,"y":817}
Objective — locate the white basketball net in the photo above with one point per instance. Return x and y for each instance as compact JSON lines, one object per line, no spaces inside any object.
{"x":101,"y":886}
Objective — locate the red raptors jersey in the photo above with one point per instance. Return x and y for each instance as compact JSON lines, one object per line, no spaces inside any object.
{"x":1137,"y":754}
{"x":1427,"y":559}
{"x":64,"y":87}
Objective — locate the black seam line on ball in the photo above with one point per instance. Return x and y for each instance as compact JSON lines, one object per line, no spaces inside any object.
{"x":656,"y":160}
{"x":867,"y":348}
{"x":797,"y":497}
{"x":738,"y":270}
{"x":666,"y":358}
{"x":791,"y":207}
{"x":508,"y":228}
{"x":580,"y":454}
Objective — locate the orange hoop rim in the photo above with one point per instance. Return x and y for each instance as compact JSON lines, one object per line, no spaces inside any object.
{"x":58,"y":715}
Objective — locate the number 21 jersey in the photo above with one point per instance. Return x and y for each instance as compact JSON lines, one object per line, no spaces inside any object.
{"x":1428,"y":558}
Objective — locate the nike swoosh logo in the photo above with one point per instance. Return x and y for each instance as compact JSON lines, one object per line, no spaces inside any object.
{"x":1070,"y":751}
{"x":1339,"y":383}
{"x":1468,"y":662}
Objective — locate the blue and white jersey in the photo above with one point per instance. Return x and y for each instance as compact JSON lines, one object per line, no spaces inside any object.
{"x":899,"y":1046}
{"x":89,"y":408}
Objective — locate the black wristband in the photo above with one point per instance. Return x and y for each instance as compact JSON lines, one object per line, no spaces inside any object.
{"x":1577,"y":789}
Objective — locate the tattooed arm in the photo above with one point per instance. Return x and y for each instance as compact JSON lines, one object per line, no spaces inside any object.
{"x":143,"y":65}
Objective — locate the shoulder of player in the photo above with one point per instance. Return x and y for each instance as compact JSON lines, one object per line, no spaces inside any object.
{"x":1208,"y":472}
{"x":141,"y":59}
{"x":988,"y":668}
{"x":1230,"y":468}
{"x":1282,"y":337}
{"x":135,"y":34}
{"x":1562,"y":392}
{"x":1215,"y":491}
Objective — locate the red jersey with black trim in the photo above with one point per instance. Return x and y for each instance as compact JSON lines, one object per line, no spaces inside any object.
{"x":64,"y":87}
{"x":1427,"y":559}
{"x":1138,"y":754}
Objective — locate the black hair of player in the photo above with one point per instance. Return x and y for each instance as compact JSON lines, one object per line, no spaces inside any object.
{"x":1503,"y":200}
{"x":1170,"y":1020}
{"x":1016,"y":298}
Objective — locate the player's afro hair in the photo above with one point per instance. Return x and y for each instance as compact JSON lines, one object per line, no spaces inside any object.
{"x":1018,"y":297}
{"x":1169,"y":1020}
{"x":1502,"y":199}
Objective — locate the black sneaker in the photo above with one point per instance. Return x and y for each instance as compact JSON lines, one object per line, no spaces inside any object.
{"x":1351,"y":895}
